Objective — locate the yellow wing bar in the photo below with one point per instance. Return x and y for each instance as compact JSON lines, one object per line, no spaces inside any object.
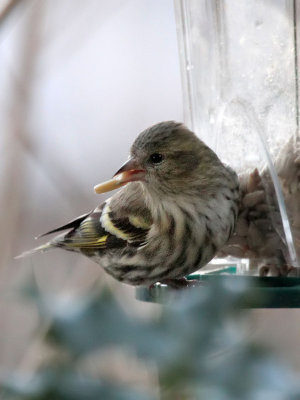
{"x":86,"y":243}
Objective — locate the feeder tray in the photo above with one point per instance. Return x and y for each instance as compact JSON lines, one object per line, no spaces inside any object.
{"x":263,"y":292}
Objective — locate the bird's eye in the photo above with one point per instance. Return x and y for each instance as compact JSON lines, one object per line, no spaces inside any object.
{"x":156,"y":158}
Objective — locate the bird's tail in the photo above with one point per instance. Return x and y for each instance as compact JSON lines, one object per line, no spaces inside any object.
{"x":39,"y":249}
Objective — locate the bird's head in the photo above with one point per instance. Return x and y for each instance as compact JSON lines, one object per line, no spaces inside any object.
{"x":167,"y":158}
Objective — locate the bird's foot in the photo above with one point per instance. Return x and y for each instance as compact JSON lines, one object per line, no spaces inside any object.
{"x":279,"y":270}
{"x":182,"y":283}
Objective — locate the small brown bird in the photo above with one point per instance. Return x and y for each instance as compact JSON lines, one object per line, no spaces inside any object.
{"x":177,"y":208}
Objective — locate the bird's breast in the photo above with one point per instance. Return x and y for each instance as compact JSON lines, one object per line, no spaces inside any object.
{"x":184,"y":237}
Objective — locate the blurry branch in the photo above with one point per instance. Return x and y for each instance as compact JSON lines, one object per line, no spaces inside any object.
{"x":72,"y":36}
{"x":60,"y":177}
{"x":19,"y":104}
{"x":8,"y":9}
{"x":62,"y":181}
{"x":18,"y":137}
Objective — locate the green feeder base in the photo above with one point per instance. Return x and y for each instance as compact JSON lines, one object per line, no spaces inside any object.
{"x":263,"y":292}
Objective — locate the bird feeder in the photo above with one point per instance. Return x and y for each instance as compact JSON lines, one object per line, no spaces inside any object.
{"x":240,"y":80}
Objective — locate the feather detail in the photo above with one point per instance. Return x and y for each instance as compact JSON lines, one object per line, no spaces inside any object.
{"x":85,"y":243}
{"x":139,"y":222}
{"x":88,"y":234}
{"x":39,"y":249}
{"x":131,"y":229}
{"x":110,"y":226}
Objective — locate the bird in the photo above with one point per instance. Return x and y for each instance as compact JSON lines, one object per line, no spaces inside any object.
{"x":177,"y":205}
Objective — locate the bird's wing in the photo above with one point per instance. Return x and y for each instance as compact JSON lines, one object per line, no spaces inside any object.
{"x":102,"y":229}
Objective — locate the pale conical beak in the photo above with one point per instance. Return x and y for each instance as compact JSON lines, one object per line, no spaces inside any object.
{"x":129,"y":172}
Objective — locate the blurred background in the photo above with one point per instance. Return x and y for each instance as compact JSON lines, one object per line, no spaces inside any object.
{"x":78,"y":82}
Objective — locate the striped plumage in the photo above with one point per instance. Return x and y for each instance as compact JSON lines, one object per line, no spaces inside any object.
{"x":178,"y":209}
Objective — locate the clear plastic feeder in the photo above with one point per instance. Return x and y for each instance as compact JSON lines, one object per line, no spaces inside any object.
{"x":240,"y":78}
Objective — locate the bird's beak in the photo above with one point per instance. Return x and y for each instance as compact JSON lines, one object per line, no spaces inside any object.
{"x":129,"y":172}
